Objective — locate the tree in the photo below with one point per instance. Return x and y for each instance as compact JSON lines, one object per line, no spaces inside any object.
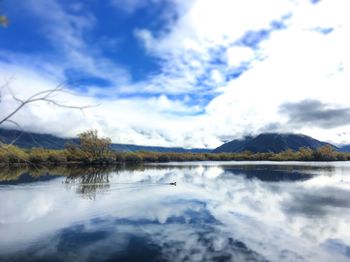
{"x":47,"y":96}
{"x":305,"y":153}
{"x":325,"y":153}
{"x":92,"y":147}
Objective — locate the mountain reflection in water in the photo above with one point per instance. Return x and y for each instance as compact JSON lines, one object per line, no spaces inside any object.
{"x":217,"y":212}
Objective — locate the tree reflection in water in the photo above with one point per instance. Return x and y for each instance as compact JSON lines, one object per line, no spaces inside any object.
{"x":89,"y":181}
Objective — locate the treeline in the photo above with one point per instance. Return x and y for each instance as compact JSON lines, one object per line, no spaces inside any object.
{"x":93,"y":150}
{"x":15,"y":155}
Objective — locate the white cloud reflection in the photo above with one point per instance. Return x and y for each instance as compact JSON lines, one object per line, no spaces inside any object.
{"x":214,"y":211}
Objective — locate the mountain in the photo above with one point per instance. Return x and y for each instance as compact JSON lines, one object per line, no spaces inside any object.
{"x":133,"y":148}
{"x":344,"y":148}
{"x":271,"y":142}
{"x":30,"y":140}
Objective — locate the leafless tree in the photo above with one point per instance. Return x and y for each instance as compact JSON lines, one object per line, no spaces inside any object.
{"x":44,"y":96}
{"x":47,"y":96}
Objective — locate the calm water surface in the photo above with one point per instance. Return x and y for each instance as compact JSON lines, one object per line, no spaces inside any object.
{"x":232,"y":211}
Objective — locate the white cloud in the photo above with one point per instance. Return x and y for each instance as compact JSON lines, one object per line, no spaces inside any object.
{"x":152,"y":121}
{"x":292,"y":64}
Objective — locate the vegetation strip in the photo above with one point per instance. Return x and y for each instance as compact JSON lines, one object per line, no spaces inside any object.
{"x":93,"y":150}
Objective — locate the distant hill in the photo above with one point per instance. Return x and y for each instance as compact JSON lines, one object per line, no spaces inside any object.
{"x":344,"y":148}
{"x":133,"y":148}
{"x":30,"y":140}
{"x":271,"y":142}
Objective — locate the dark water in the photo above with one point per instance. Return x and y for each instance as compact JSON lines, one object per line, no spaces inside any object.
{"x":217,"y":212}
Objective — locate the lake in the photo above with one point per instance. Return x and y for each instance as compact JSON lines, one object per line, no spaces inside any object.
{"x":218,"y":211}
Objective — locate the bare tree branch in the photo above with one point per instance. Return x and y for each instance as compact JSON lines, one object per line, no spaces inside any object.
{"x":44,"y":96}
{"x":5,"y":85}
{"x":47,"y":96}
{"x":19,"y":127}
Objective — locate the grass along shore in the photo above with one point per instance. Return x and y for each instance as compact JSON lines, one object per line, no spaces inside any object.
{"x":10,"y":154}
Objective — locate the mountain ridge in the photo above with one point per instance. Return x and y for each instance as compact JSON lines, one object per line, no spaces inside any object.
{"x":265,"y":142}
{"x":30,"y":140}
{"x":271,"y":142}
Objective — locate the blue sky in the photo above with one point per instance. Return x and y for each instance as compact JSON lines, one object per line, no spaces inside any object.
{"x":179,"y":73}
{"x":98,"y":26}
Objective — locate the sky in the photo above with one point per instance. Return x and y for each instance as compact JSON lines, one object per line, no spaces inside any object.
{"x":194,"y":73}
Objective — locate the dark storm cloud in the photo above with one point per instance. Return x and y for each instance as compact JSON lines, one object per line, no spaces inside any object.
{"x":315,"y":113}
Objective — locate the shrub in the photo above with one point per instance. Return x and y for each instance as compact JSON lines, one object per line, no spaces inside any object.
{"x":305,"y":154}
{"x":133,"y":158}
{"x":325,"y":153}
{"x":12,"y":154}
{"x":56,"y":156}
{"x":38,"y":155}
{"x":163,"y":158}
{"x":119,"y":157}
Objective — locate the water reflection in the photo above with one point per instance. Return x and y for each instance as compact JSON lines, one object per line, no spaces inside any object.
{"x":318,"y":202}
{"x":89,"y":182}
{"x":225,"y":212}
{"x":270,"y":173}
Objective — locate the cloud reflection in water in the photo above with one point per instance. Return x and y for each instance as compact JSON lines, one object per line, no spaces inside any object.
{"x":215,"y":213}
